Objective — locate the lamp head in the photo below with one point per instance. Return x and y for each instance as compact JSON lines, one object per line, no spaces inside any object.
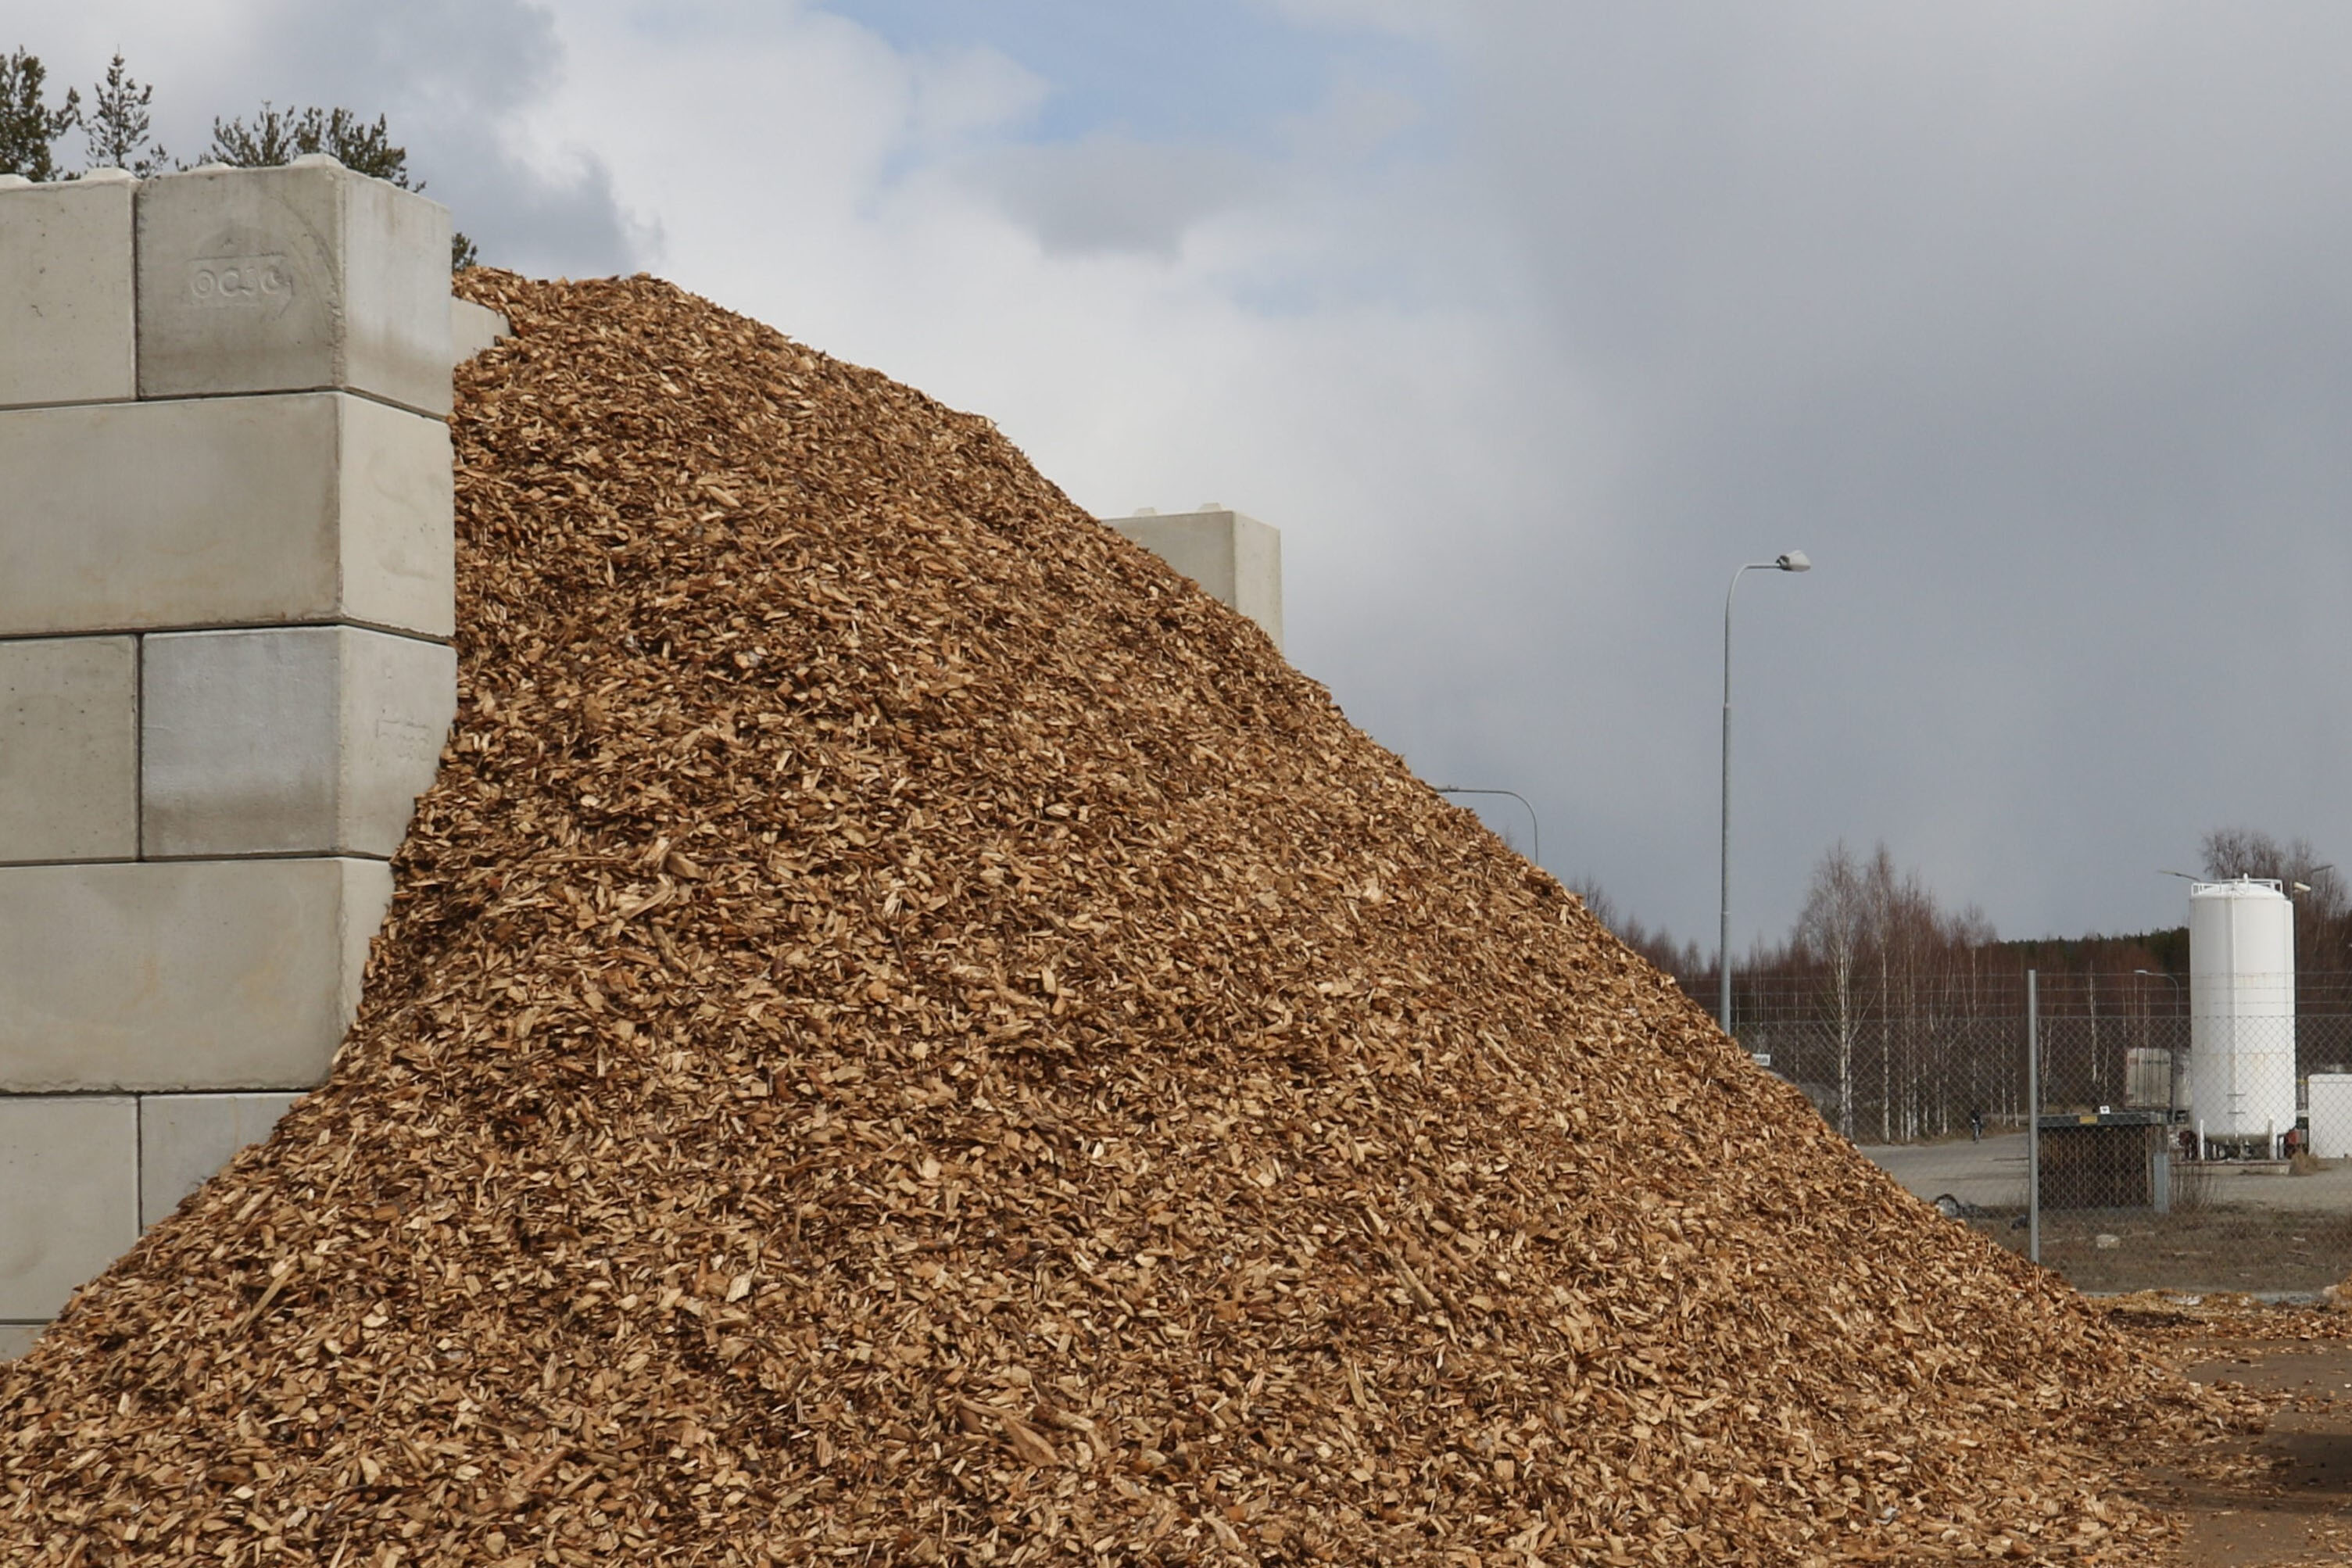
{"x":1794,"y":561}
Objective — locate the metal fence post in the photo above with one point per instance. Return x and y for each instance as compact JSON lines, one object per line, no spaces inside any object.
{"x":2033,"y":1115}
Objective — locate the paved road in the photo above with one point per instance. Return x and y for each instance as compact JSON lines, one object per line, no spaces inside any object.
{"x":1991,"y":1175}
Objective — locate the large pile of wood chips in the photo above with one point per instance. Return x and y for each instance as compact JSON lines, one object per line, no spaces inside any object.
{"x":907,"y":1033}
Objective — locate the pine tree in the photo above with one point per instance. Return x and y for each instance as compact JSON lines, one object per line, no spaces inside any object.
{"x":117,"y":126}
{"x":278,"y":136}
{"x":118,"y":130}
{"x":28,"y":126}
{"x":281,"y":135}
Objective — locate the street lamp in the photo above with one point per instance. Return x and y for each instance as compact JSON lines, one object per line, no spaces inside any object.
{"x":1536,"y":844}
{"x":2177,"y":1070}
{"x":1794,"y":561}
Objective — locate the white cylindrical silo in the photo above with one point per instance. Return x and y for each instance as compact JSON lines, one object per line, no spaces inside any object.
{"x":2242,"y":1008}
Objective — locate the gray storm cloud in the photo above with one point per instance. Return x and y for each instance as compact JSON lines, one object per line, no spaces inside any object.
{"x":456,"y":83}
{"x":2029,"y":322}
{"x":1111,"y":193}
{"x":456,"y":76}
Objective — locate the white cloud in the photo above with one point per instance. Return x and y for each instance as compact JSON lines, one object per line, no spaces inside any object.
{"x":1109,"y":192}
{"x":1431,"y":19}
{"x":2031,"y":323}
{"x":455,"y":79}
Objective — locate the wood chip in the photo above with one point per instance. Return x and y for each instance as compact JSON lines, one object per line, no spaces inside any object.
{"x":909,"y":1034}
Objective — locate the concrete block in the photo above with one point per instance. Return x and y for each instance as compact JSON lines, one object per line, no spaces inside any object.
{"x":65,"y":291}
{"x":2331,"y":1114}
{"x":69,"y":749}
{"x":16,"y":1339}
{"x":1236,"y":559}
{"x":182,"y":975}
{"x":184,"y":1140}
{"x":474,"y":328}
{"x":286,"y":280}
{"x":303,"y":739}
{"x":69,"y":1196}
{"x":224,"y":512}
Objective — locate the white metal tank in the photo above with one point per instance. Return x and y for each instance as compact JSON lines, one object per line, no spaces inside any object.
{"x":2242,"y":1008}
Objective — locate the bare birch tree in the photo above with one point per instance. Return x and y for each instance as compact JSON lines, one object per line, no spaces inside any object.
{"x":1833,"y":930}
{"x":2322,"y":914}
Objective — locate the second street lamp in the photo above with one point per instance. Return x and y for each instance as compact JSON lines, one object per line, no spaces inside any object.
{"x":1535,"y":850}
{"x":2177,"y":1069}
{"x":1794,"y":561}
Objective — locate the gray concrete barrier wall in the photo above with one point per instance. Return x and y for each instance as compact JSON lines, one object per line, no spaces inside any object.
{"x":1236,"y":559}
{"x":226,"y":607}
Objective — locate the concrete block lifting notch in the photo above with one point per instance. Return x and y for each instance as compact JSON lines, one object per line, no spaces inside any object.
{"x":226,"y":602}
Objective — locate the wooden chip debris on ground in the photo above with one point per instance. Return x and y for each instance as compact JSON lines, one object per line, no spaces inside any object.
{"x":907,"y":1034}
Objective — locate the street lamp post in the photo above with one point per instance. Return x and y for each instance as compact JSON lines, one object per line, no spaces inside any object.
{"x":1794,"y":561}
{"x":2177,"y":1074}
{"x":2170,"y":980}
{"x":1536,"y":843}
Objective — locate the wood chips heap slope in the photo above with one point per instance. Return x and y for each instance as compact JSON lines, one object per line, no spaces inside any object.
{"x":909,"y":1034}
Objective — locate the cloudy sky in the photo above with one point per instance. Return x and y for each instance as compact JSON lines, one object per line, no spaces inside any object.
{"x":1527,"y":321}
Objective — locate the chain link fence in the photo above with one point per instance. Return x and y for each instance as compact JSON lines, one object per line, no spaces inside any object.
{"x":2126,"y":1134}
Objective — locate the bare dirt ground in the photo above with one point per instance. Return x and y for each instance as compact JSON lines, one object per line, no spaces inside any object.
{"x":2266,"y":1251}
{"x":2260,"y":1234}
{"x":2281,"y":1497}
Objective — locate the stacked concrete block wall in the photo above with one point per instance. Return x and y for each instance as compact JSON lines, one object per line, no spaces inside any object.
{"x":225,"y":671}
{"x":1236,"y":559}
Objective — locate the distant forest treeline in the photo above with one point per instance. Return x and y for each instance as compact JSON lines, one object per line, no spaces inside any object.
{"x":1898,"y":1013}
{"x":1864,"y":917}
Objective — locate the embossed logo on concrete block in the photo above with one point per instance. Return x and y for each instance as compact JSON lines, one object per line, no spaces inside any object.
{"x":288,"y":280}
{"x":65,"y":291}
{"x":308,"y":741}
{"x":263,"y":283}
